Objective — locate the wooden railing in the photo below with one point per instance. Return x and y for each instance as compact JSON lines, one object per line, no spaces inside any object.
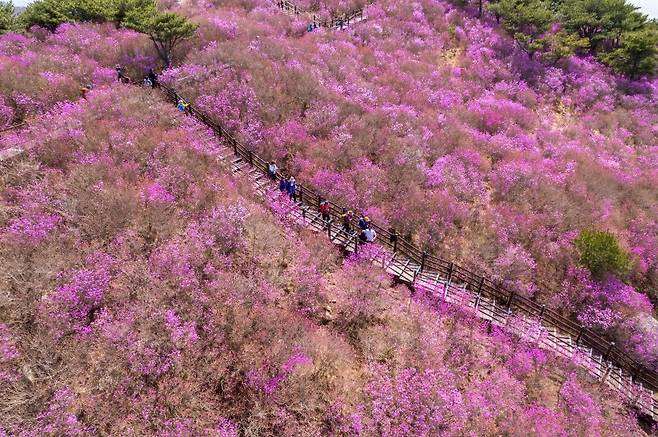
{"x":338,"y":21}
{"x":485,"y":288}
{"x":16,"y":126}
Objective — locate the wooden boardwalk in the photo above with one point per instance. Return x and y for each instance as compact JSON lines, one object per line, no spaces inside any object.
{"x":451,"y":284}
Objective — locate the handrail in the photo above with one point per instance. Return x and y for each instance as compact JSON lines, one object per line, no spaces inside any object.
{"x":336,"y":21}
{"x":514,"y":302}
{"x":16,"y":126}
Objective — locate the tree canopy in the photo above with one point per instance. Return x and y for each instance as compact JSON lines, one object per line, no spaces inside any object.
{"x":613,"y":30}
{"x":601,"y":253}
{"x":7,"y":17}
{"x":166,"y":29}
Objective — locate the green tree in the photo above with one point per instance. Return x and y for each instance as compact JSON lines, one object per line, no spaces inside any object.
{"x":637,"y":55}
{"x":562,"y":45}
{"x":7,"y":17}
{"x":601,"y":22}
{"x":166,"y":29}
{"x":600,"y":252}
{"x":44,"y":13}
{"x":527,"y":21}
{"x":52,"y":13}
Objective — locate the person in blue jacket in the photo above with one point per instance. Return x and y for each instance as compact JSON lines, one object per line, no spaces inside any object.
{"x":292,"y":189}
{"x":363,"y":222}
{"x":283,"y":184}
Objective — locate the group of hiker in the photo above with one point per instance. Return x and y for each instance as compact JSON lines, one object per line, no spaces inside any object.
{"x":150,"y":80}
{"x":288,"y":185}
{"x":367,"y":233}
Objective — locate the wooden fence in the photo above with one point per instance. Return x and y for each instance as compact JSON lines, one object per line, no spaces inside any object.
{"x":338,"y":21}
{"x":421,"y":265}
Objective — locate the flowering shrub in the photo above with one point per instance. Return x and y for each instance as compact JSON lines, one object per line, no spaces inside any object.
{"x":439,"y":122}
{"x":146,"y":292}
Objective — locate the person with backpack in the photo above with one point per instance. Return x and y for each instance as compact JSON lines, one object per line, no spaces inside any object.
{"x":283,"y":185}
{"x":346,"y":217}
{"x":368,"y":235}
{"x":325,"y":210}
{"x":292,"y":189}
{"x":363,"y":222}
{"x":182,"y":105}
{"x":272,"y":170}
{"x":153,"y":78}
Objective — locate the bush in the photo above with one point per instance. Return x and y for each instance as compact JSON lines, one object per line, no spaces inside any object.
{"x":600,"y":252}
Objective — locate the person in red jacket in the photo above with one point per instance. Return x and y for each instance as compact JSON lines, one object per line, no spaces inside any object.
{"x":324,"y":210}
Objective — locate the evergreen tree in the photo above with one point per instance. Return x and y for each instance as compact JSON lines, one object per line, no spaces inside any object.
{"x":7,"y":17}
{"x":601,"y":22}
{"x":166,"y":29}
{"x":637,"y":55}
{"x":44,"y":13}
{"x":52,"y":13}
{"x":527,"y":21}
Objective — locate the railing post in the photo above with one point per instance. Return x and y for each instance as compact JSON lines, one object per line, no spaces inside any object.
{"x":304,"y":216}
{"x":480,"y":285}
{"x":329,"y":228}
{"x":637,"y":370}
{"x":394,"y":239}
{"x":251,"y":158}
{"x":477,"y":302}
{"x":580,"y":335}
{"x":447,"y":284}
{"x":541,"y":312}
{"x":301,"y":195}
{"x":607,"y":373}
{"x":607,"y":353}
{"x":422,"y":261}
{"x":509,"y":301}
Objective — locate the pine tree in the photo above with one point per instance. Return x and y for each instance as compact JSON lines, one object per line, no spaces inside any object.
{"x":528,"y":21}
{"x":637,"y":55}
{"x":7,"y":17}
{"x":166,"y":29}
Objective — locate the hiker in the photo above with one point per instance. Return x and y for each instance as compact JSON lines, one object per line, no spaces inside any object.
{"x":148,"y":83}
{"x":182,"y":105}
{"x":272,"y":169}
{"x":346,"y":216}
{"x":283,"y":185}
{"x":121,"y":77}
{"x":153,"y":78}
{"x":324,"y":210}
{"x":368,"y":235}
{"x":83,"y":91}
{"x":292,"y":189}
{"x":364,"y":222}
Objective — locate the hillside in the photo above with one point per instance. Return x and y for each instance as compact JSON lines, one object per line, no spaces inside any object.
{"x":149,"y":289}
{"x":435,"y":124}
